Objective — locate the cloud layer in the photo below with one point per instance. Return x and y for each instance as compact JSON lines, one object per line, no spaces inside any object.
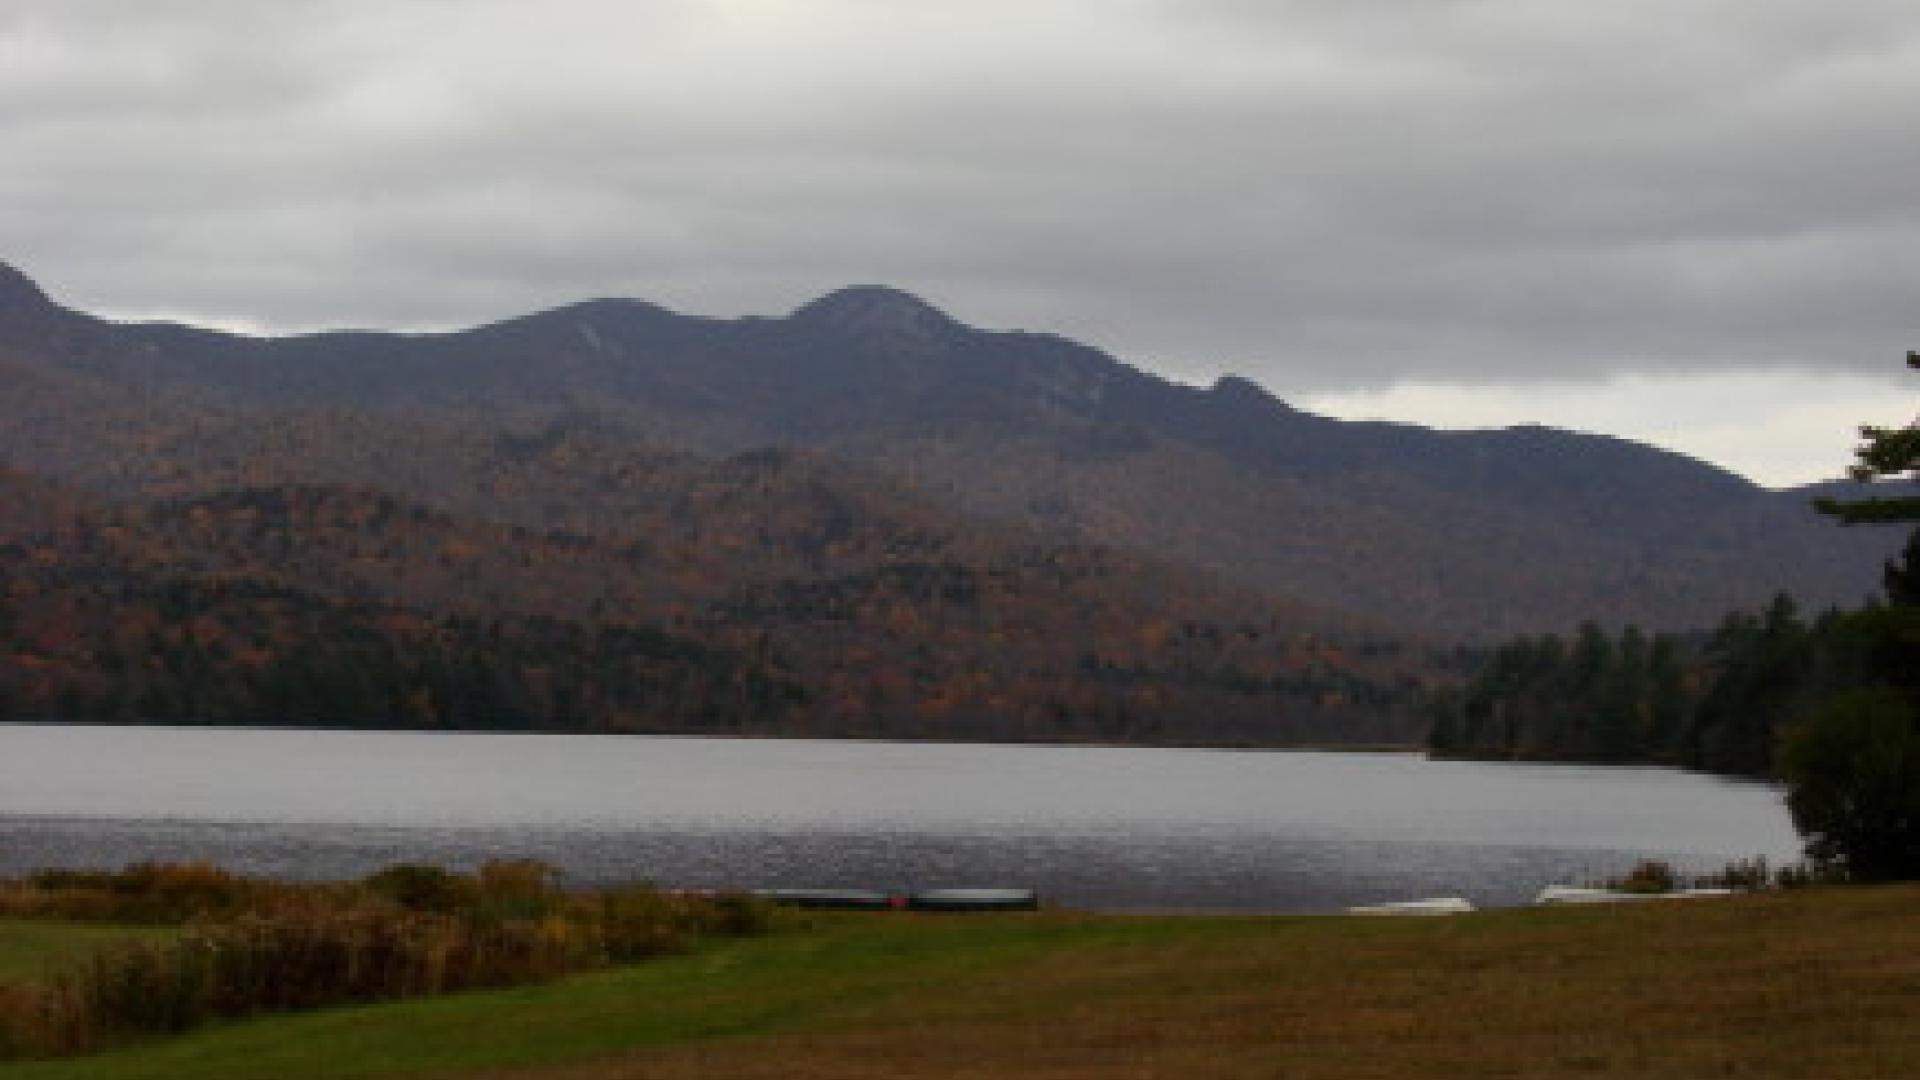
{"x":1329,"y":195}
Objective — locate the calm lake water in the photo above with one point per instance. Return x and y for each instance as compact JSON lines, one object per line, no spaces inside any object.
{"x":1094,"y":827}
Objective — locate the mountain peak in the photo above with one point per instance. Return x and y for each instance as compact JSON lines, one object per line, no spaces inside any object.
{"x":1240,"y":390}
{"x":18,"y":292}
{"x":876,"y":310}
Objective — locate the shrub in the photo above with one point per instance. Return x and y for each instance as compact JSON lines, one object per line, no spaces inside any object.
{"x":1647,"y":876}
{"x":638,"y":922}
{"x":1742,"y":875}
{"x":1853,"y":775}
{"x":517,"y":889}
{"x":143,"y":892}
{"x":422,"y":887}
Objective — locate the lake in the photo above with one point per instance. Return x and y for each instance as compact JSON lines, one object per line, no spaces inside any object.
{"x":1108,"y":828}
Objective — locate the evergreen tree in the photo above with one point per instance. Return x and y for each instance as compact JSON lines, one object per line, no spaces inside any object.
{"x":1884,"y":453}
{"x":1902,"y":576}
{"x":1666,"y":693}
{"x":1598,"y":698}
{"x":1853,"y":765}
{"x":1764,"y":669}
{"x":1854,"y":769}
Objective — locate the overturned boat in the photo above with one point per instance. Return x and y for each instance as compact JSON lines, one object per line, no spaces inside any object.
{"x":1555,"y":895}
{"x":1433,"y":906}
{"x":973,"y":900}
{"x":923,"y":900}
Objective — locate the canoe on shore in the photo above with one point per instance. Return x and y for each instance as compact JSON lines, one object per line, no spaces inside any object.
{"x":1571,"y":894}
{"x":973,"y":900}
{"x":1438,"y":905}
{"x":924,"y":900}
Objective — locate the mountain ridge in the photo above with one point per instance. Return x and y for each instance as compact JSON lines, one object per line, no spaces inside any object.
{"x":1464,"y":533}
{"x":857,"y":309}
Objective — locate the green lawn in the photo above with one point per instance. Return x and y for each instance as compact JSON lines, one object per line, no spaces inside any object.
{"x":1814,"y":984}
{"x":28,"y":946}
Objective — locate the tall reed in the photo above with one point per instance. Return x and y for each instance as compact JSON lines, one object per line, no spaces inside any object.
{"x":255,"y":947}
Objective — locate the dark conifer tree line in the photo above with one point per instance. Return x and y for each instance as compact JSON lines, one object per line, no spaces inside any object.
{"x":1716,"y":701}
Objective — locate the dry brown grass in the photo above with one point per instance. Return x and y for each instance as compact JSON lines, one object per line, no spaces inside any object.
{"x":1804,"y":986}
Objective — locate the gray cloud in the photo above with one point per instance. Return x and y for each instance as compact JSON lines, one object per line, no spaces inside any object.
{"x":1326,"y":195}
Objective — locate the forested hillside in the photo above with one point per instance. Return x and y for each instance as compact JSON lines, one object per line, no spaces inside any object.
{"x":768,"y":609}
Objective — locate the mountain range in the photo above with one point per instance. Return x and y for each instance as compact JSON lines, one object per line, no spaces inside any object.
{"x":1434,"y":534}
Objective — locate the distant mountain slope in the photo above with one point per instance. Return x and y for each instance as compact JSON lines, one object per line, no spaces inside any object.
{"x":1461,"y":533}
{"x":29,"y":505}
{"x":754,"y":596}
{"x":91,"y":639}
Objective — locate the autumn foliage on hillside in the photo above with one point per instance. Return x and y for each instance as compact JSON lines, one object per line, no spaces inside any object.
{"x":759,"y":594}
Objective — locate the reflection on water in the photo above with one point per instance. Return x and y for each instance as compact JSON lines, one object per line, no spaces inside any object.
{"x":1097,"y":827}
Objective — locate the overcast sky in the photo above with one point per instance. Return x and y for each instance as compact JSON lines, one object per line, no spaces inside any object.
{"x":1695,"y":222}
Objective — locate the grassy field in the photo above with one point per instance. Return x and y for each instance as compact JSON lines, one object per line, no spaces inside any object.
{"x":28,"y":946}
{"x":1804,"y":985}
